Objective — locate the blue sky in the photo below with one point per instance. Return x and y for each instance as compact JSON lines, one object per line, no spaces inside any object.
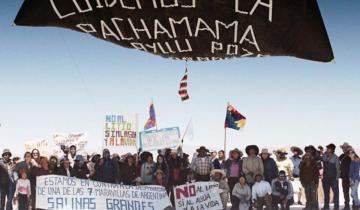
{"x":55,"y":80}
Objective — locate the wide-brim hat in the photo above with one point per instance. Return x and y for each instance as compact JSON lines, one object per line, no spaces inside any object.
{"x":6,"y":151}
{"x":310,"y":147}
{"x":331,"y":146}
{"x":265,"y":151}
{"x":345,"y":145}
{"x":159,"y":172}
{"x":236,"y":150}
{"x":214,"y":171}
{"x":281,"y":151}
{"x":250,"y":147}
{"x":93,"y":155}
{"x":202,"y":148}
{"x":298,"y":149}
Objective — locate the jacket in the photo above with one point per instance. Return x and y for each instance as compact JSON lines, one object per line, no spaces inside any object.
{"x":270,"y":170}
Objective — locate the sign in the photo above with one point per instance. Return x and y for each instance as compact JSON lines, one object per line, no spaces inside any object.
{"x":198,"y":30}
{"x":120,"y":133}
{"x":199,"y":195}
{"x":159,"y":139}
{"x":42,"y":146}
{"x":68,"y":193}
{"x":77,"y":139}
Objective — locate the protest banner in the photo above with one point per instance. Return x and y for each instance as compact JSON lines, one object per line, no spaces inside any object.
{"x":41,"y":145}
{"x":199,"y":195}
{"x":77,"y":139}
{"x":62,"y":193}
{"x":121,"y":133}
{"x":159,"y":139}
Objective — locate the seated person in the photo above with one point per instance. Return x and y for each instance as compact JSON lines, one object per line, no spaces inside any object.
{"x":282,"y":192}
{"x":261,"y":193}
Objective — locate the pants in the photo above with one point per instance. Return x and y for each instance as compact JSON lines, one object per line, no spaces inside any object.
{"x":202,"y":178}
{"x":23,"y":202}
{"x":346,"y":187}
{"x":7,"y":193}
{"x":276,"y":200}
{"x":334,"y":185}
{"x":233,"y":199}
{"x":311,"y":194}
{"x":354,"y":193}
{"x":263,"y":201}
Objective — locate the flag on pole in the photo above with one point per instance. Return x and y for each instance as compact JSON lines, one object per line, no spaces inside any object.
{"x":183,"y":87}
{"x":151,"y":122}
{"x":234,"y":119}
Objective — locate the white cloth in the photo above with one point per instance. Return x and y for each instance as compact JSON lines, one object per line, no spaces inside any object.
{"x":23,"y":187}
{"x":260,"y":189}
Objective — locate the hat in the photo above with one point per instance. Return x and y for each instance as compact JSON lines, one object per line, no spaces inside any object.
{"x":202,"y":148}
{"x":93,"y":155}
{"x":237,"y":151}
{"x":282,"y":151}
{"x":159,"y":172}
{"x":310,"y":148}
{"x":250,"y":147}
{"x":214,"y":171}
{"x":331,"y":146}
{"x":79,"y":158}
{"x":345,"y":145}
{"x":115,"y":155}
{"x":294,"y":148}
{"x":6,"y":151}
{"x":265,"y":151}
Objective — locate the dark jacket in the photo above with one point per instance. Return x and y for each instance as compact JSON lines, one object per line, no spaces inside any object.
{"x":107,"y":171}
{"x":216,"y":164}
{"x":4,"y":177}
{"x":228,"y":164}
{"x":128,"y":174}
{"x":81,"y":171}
{"x":62,"y":171}
{"x":270,"y":170}
{"x":345,"y":161}
{"x":309,"y":174}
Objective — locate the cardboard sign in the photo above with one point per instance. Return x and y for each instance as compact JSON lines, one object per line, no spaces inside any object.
{"x":160,"y":139}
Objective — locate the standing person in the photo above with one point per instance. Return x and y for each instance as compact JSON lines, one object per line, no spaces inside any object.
{"x":261,"y":193}
{"x":218,"y":175}
{"x":72,"y":155}
{"x":36,"y":172}
{"x":53,"y":165}
{"x":94,"y":160}
{"x":242,"y":192}
{"x":282,"y":192}
{"x":331,"y":176}
{"x":80,"y":169}
{"x":24,"y":165}
{"x":221,"y":158}
{"x":283,"y":163}
{"x":8,"y":184}
{"x":345,"y":161}
{"x":107,"y":169}
{"x":128,"y":172}
{"x":215,"y":161}
{"x":233,"y":168}
{"x":270,"y":168}
{"x":252,"y":164}
{"x":65,"y":169}
{"x":147,"y":170}
{"x":354,"y":178}
{"x":202,"y":165}
{"x":296,"y":160}
{"x":35,"y":155}
{"x":161,"y":165}
{"x":309,"y":178}
{"x":23,"y":191}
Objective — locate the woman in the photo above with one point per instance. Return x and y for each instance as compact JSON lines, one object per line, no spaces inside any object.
{"x":218,"y":175}
{"x":24,"y":165}
{"x":243,"y":193}
{"x":147,"y":169}
{"x":35,"y":172}
{"x":161,"y":165}
{"x":354,"y":178}
{"x":53,"y":165}
{"x":35,"y":155}
{"x":252,"y":164}
{"x":160,"y":180}
{"x":128,"y":172}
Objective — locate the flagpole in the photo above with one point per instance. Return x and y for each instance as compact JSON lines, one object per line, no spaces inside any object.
{"x":186,"y":130}
{"x":225,"y":141}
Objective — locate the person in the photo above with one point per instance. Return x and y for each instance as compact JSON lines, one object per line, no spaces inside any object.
{"x":160,"y":179}
{"x":72,"y":155}
{"x":261,"y":193}
{"x":80,"y":169}
{"x":8,"y":184}
{"x":128,"y":172}
{"x":218,"y":175}
{"x":42,"y":170}
{"x":94,"y":160}
{"x":321,"y":150}
{"x":309,"y":178}
{"x":202,"y":165}
{"x":65,"y":169}
{"x":23,"y":165}
{"x":282,"y":192}
{"x":175,"y":169}
{"x":242,"y":192}
{"x":35,"y":155}
{"x":345,"y":161}
{"x":296,"y":160}
{"x":147,"y":170}
{"x":161,"y":165}
{"x":53,"y":165}
{"x":215,"y":160}
{"x":107,"y":169}
{"x":283,"y":163}
{"x":252,"y":164}
{"x":270,"y":168}
{"x":221,"y":159}
{"x":331,"y":176}
{"x":23,"y":191}
{"x":354,"y":178}
{"x":233,"y":167}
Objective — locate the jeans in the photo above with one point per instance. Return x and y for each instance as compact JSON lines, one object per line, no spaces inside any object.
{"x":346,"y":187}
{"x":311,"y":196}
{"x":7,"y":192}
{"x":354,"y":193}
{"x":334,"y":185}
{"x":233,"y":199}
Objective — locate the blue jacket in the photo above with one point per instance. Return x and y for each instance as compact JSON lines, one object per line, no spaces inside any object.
{"x":354,"y":171}
{"x":270,"y":170}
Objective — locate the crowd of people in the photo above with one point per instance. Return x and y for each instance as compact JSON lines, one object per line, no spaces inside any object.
{"x":261,"y":179}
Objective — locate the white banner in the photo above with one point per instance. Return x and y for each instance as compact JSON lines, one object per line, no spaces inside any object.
{"x":66,"y":193}
{"x":77,"y":139}
{"x":42,"y":146}
{"x":199,"y":195}
{"x":159,"y":139}
{"x":120,"y":133}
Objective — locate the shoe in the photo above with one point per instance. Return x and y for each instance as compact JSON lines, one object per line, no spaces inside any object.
{"x":300,"y":203}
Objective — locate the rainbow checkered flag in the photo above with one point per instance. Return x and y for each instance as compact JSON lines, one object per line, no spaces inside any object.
{"x":183,"y":87}
{"x":234,"y":119}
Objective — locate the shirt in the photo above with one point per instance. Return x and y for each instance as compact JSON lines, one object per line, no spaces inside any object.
{"x":260,"y":189}
{"x":202,"y":165}
{"x":23,"y":187}
{"x":296,"y":162}
{"x":284,"y":186}
{"x":242,"y":192}
{"x":285,"y":165}
{"x":234,"y":169}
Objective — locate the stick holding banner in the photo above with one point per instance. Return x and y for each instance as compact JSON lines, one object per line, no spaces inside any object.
{"x":186,"y":130}
{"x":224,"y":140}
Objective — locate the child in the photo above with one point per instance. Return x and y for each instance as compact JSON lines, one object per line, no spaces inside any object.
{"x":23,"y":192}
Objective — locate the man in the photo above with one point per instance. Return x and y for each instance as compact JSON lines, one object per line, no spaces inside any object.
{"x":233,"y":168}
{"x":270,"y":168}
{"x":283,"y":163}
{"x":282,"y":192}
{"x":331,"y":176}
{"x":107,"y":170}
{"x":345,"y":162}
{"x":296,"y":160}
{"x":7,"y":180}
{"x":261,"y":193}
{"x":215,"y":161}
{"x":202,"y":165}
{"x":252,"y":164}
{"x":65,"y":168}
{"x":309,"y":178}
{"x":73,"y":155}
{"x":221,"y":158}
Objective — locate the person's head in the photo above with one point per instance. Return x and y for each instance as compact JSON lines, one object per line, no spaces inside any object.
{"x":130,"y":160}
{"x":27,"y":157}
{"x":66,"y":163}
{"x":35,"y":154}
{"x":160,"y":159}
{"x":330,"y":149}
{"x":159,"y":174}
{"x":53,"y":161}
{"x":106,"y":154}
{"x":321,"y":149}
{"x":252,"y":150}
{"x":149,"y":159}
{"x":218,"y":176}
{"x":242,"y":180}
{"x":265,"y":154}
{"x":44,"y":163}
{"x":221,"y":154}
{"x":115,"y":157}
{"x":282,"y":175}
{"x":173,"y":154}
{"x":213,"y":154}
{"x":202,"y":151}
{"x":6,"y":155}
{"x":352,"y":154}
{"x":16,"y":160}
{"x":258,"y":178}
{"x":235,"y":154}
{"x":72,"y":150}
